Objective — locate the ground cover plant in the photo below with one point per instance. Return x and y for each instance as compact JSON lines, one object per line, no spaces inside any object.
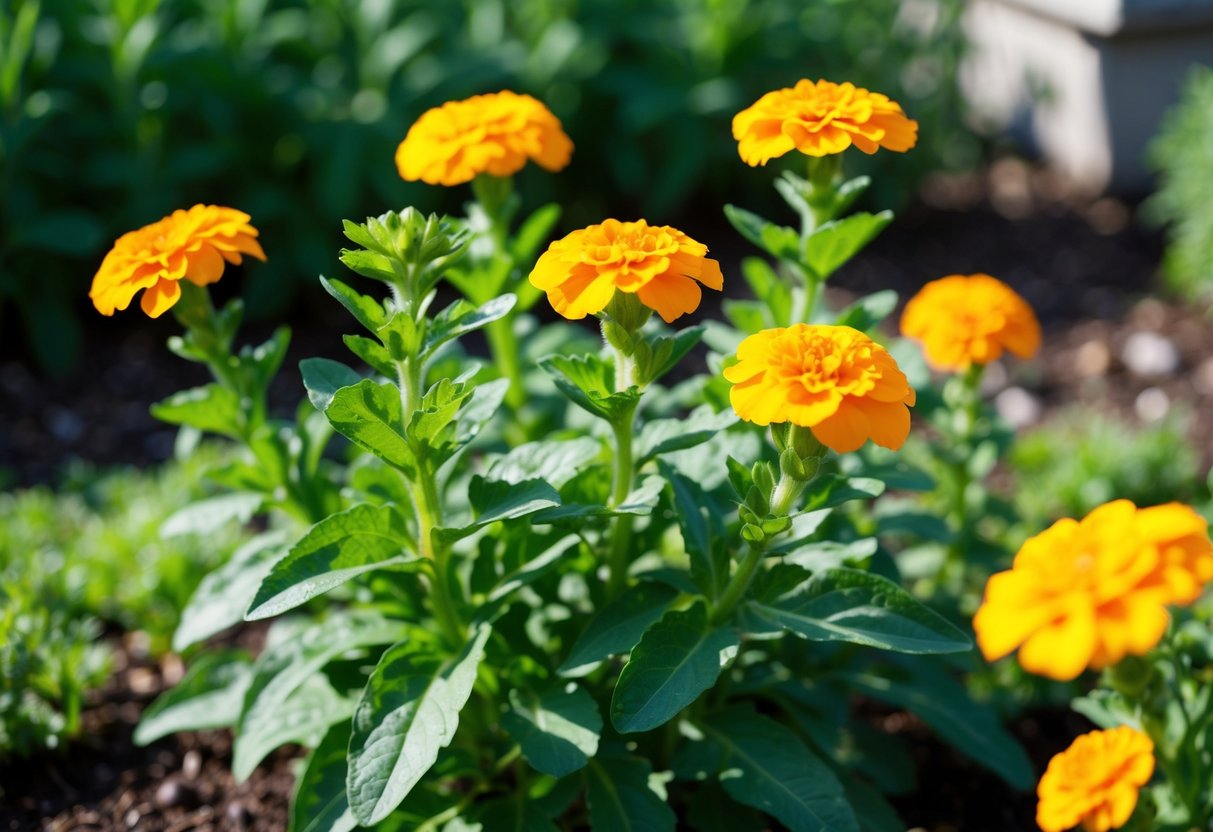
{"x":624,"y":579}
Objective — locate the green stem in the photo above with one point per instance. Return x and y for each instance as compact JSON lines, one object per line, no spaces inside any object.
{"x":503,"y":344}
{"x":970,"y":412}
{"x":621,"y":534}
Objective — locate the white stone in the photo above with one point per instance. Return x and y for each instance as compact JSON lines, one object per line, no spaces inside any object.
{"x":1152,"y":404}
{"x":1018,"y":407}
{"x":1150,"y":355}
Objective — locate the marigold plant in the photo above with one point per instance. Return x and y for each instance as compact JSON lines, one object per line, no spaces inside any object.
{"x":1086,"y":594}
{"x":193,"y":244}
{"x":833,"y":379}
{"x":660,"y":265}
{"x":821,"y":118}
{"x":1095,"y":781}
{"x":963,"y":321}
{"x":496,"y":133}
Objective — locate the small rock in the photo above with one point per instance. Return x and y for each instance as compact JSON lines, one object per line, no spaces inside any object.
{"x":174,"y":793}
{"x":143,"y":681}
{"x":131,"y":819}
{"x":1018,"y":407}
{"x":239,"y":816}
{"x":191,"y":765}
{"x":1203,"y":377}
{"x":1152,"y":404}
{"x":1092,"y":359}
{"x":1149,"y":354}
{"x":1108,"y":216}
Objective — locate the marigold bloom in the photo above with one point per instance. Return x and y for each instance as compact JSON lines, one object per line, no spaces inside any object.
{"x":1086,"y":594}
{"x":660,"y":264}
{"x":819,"y":119}
{"x":1095,"y":781}
{"x":189,"y":244}
{"x":832,"y":379}
{"x":962,"y":321}
{"x":495,"y":134}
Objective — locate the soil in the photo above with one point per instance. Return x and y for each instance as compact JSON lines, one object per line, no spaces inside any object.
{"x":1084,"y":264}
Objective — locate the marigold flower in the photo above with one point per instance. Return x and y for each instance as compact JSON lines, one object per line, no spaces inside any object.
{"x":1086,"y":594}
{"x":1095,"y":781}
{"x":962,"y":321}
{"x":189,"y":244}
{"x":495,"y":134}
{"x":832,"y":379}
{"x":819,"y":119}
{"x":660,"y":264}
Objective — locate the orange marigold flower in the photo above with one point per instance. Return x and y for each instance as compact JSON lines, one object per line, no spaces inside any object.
{"x":962,"y":321}
{"x":832,"y":379}
{"x":189,"y":244}
{"x":494,"y":134}
{"x":819,"y":119}
{"x":1086,"y":594}
{"x":660,"y":264}
{"x":1095,"y":781}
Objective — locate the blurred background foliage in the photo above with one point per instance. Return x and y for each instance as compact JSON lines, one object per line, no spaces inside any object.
{"x":115,"y":112}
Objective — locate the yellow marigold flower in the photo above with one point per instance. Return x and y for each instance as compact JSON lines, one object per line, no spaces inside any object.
{"x":962,"y":321}
{"x":494,"y":134}
{"x":189,"y":244}
{"x":1095,"y":781}
{"x":1086,"y":594}
{"x":832,"y":379}
{"x":819,"y":119}
{"x":660,"y":264}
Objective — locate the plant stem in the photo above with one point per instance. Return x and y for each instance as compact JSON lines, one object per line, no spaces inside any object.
{"x":503,"y":344}
{"x":621,"y":534}
{"x":970,"y":410}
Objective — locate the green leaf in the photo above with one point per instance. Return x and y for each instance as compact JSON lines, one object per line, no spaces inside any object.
{"x":304,"y":718}
{"x":834,"y":243}
{"x":555,"y":462}
{"x":205,"y":516}
{"x":339,"y":548}
{"x":507,"y":814}
{"x":401,"y":336}
{"x":779,"y":241}
{"x":533,"y":232}
{"x":657,"y":355}
{"x":871,"y":809}
{"x":916,"y":523}
{"x":663,"y":436}
{"x":869,"y":311}
{"x":211,"y":408}
{"x":769,"y":288}
{"x":699,"y":527}
{"x":223,"y":595}
{"x":373,"y":353}
{"x":589,"y":382}
{"x":677,"y":659}
{"x":320,"y":804}
{"x":285,"y":666}
{"x":558,"y":731}
{"x":819,"y":555}
{"x":323,"y":378}
{"x":830,"y":490}
{"x":617,"y":627}
{"x":529,"y":572}
{"x":861,"y":608}
{"x":929,"y":691}
{"x":365,"y":309}
{"x":462,"y":317}
{"x":770,"y":768}
{"x":208,"y":696}
{"x":621,"y":797}
{"x":639,"y":502}
{"x":494,"y":500}
{"x":370,"y":416}
{"x":407,"y":714}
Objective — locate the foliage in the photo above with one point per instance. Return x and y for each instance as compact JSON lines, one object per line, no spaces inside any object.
{"x":76,"y":561}
{"x":141,"y":107}
{"x":1184,"y":162}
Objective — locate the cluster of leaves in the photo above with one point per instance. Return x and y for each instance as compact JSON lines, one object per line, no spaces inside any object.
{"x":1184,"y":163}
{"x":444,"y":640}
{"x":72,"y":563}
{"x":157,"y":90}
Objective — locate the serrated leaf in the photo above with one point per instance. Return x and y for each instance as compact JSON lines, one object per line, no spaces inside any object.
{"x":365,"y":309}
{"x":834,"y":243}
{"x":373,"y":353}
{"x":323,"y":377}
{"x":929,"y":691}
{"x":639,"y":502}
{"x":657,"y":355}
{"x":770,"y":768}
{"x":319,"y":803}
{"x":621,"y":799}
{"x":407,"y":714}
{"x":211,"y":408}
{"x":370,"y":415}
{"x":589,"y":383}
{"x":205,"y":516}
{"x":779,"y":241}
{"x":339,"y":548}
{"x":677,"y":659}
{"x":209,"y":695}
{"x":462,"y":317}
{"x":700,"y":527}
{"x":223,"y":595}
{"x":617,"y":627}
{"x":861,"y":608}
{"x":663,"y":436}
{"x":304,"y":717}
{"x":494,"y":501}
{"x":557,"y":731}
{"x":555,"y":462}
